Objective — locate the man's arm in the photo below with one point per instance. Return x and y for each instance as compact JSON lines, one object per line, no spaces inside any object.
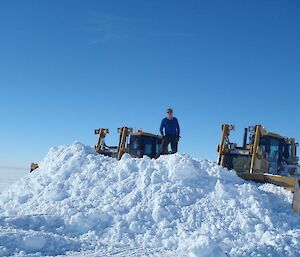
{"x":178,"y":128}
{"x":161,"y":129}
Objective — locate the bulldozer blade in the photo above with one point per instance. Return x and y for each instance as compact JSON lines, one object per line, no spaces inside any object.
{"x":296,"y":198}
{"x":286,"y":182}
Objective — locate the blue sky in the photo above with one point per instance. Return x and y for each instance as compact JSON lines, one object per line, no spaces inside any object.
{"x":68,"y":67}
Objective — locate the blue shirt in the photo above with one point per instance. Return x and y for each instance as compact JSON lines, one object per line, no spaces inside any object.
{"x":171,"y":127}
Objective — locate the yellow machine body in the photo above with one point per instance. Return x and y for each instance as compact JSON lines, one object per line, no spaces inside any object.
{"x":264,"y":157}
{"x":137,"y":144}
{"x":296,"y":198}
{"x":263,"y":152}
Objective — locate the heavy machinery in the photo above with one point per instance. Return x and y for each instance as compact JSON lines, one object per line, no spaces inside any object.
{"x":137,"y":144}
{"x":264,"y":157}
{"x":33,"y":166}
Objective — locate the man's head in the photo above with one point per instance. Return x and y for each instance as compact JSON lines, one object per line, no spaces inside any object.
{"x":170,"y":113}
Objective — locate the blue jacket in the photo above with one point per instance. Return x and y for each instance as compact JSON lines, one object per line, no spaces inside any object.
{"x":171,"y":127}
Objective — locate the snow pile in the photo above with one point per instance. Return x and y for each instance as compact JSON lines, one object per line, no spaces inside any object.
{"x":79,"y":201}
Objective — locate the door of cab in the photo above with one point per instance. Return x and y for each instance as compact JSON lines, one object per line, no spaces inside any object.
{"x":272,"y":151}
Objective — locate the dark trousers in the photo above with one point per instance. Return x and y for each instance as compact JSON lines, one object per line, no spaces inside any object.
{"x":169,"y":139}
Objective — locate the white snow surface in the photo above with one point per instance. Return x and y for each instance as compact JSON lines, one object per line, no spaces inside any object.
{"x":79,"y":203}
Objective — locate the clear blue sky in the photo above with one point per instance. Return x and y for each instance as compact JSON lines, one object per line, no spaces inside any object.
{"x":68,"y":67}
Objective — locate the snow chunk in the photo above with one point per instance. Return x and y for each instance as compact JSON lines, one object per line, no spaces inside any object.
{"x":205,"y":247}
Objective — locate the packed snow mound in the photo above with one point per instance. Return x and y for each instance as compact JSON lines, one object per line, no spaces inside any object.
{"x":78,"y":201}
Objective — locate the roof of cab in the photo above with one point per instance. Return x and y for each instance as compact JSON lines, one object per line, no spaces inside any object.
{"x":141,"y":133}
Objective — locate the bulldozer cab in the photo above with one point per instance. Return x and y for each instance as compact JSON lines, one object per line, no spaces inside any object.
{"x":141,"y":144}
{"x":137,"y":144}
{"x":276,"y":151}
{"x":261,"y":152}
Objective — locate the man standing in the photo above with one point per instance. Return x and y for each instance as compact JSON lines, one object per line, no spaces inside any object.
{"x":170,"y":131}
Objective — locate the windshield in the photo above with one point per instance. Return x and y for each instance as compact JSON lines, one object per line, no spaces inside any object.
{"x":144,"y":145}
{"x":273,"y":156}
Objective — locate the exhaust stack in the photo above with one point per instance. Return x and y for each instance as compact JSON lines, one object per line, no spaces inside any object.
{"x":245,"y":137}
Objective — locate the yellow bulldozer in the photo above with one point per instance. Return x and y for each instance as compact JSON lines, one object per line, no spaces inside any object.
{"x":264,"y":157}
{"x":137,"y":144}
